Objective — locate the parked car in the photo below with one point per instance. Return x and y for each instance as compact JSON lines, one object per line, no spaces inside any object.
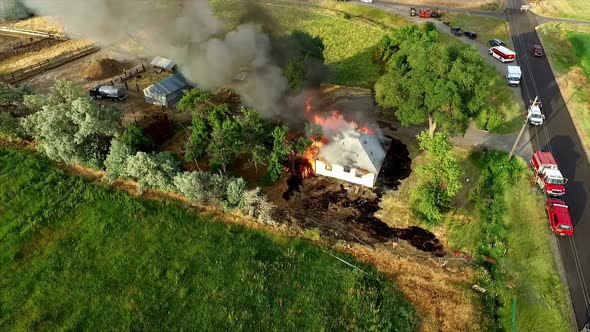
{"x":436,"y":13}
{"x":412,"y":11}
{"x":456,"y":31}
{"x":470,"y":34}
{"x":559,"y":217}
{"x":537,"y":51}
{"x":496,"y":42}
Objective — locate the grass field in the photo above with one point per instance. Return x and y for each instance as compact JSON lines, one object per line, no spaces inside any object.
{"x":79,"y":256}
{"x":528,"y":264}
{"x":527,"y":270}
{"x":568,"y":52}
{"x":574,"y":9}
{"x":348,"y":42}
{"x":486,"y":27}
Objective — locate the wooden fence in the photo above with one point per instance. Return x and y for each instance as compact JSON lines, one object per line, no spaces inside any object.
{"x":32,"y":46}
{"x":42,"y":66}
{"x":121,"y":80}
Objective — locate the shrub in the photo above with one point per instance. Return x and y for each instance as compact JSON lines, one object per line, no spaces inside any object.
{"x":152,"y":170}
{"x":194,"y":185}
{"x":11,"y":126}
{"x":70,"y":127}
{"x":234,"y":192}
{"x":116,"y":161}
{"x":135,"y":138}
{"x":14,"y":10}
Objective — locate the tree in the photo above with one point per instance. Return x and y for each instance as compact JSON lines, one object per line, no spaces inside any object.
{"x":254,"y":133}
{"x":152,"y":170}
{"x":434,"y":83}
{"x":280,"y":150}
{"x":135,"y":137}
{"x":10,"y":126}
{"x":198,"y":139}
{"x":116,"y":161}
{"x":12,"y":100}
{"x":194,"y":100}
{"x":305,"y":61}
{"x":70,"y":127}
{"x":225,"y":144}
{"x":14,"y":10}
{"x":438,"y":177}
{"x":295,"y":73}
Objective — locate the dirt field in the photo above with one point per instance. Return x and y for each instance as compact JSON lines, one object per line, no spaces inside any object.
{"x":44,"y":24}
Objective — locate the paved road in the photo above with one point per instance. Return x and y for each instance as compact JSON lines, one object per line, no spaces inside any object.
{"x":558,"y":135}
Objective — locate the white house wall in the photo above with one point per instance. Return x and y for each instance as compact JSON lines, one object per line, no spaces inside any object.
{"x":337,"y":172}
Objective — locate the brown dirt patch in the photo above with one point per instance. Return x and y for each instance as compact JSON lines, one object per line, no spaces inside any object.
{"x":103,"y":68}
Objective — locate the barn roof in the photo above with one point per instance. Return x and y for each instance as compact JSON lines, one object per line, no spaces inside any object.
{"x":168,"y":85}
{"x":163,"y":63}
{"x":355,"y":149}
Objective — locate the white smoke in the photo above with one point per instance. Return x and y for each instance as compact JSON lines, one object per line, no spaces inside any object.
{"x":186,"y":31}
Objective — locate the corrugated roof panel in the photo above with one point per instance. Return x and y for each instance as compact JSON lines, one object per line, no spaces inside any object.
{"x":163,"y":63}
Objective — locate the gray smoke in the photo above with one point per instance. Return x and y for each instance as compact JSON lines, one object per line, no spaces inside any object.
{"x":186,"y":31}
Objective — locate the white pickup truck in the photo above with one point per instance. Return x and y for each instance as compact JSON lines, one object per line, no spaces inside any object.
{"x":535,"y":112}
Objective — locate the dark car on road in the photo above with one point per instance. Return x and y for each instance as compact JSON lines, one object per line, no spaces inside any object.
{"x":496,"y":42}
{"x":537,"y":51}
{"x":470,"y":34}
{"x":456,"y":31}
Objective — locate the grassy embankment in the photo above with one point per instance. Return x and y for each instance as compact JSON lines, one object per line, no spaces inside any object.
{"x":573,"y":9}
{"x":568,"y":50}
{"x":75,"y":255}
{"x":499,"y":215}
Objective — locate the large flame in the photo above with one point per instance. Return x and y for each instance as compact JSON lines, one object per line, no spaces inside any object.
{"x":332,"y":123}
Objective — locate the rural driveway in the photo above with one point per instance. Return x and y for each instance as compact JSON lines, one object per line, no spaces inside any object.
{"x":559,"y":136}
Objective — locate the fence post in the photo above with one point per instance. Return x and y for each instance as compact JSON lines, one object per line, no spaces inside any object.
{"x":126,"y":87}
{"x":142,"y":67}
{"x":137,"y":86}
{"x":113,"y":84}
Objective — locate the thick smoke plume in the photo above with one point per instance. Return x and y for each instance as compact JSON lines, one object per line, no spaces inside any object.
{"x":186,"y":31}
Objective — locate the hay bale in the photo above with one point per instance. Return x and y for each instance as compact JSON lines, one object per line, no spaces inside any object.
{"x":103,"y":68}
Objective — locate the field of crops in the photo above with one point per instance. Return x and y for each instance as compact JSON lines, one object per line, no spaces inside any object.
{"x":80,"y":256}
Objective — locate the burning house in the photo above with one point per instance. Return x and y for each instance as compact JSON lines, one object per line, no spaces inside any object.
{"x":346,"y":151}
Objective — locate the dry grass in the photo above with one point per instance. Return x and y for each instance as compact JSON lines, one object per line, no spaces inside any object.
{"x":574,"y":9}
{"x":28,"y":59}
{"x":472,"y":4}
{"x":570,"y":77}
{"x":440,"y":293}
{"x":45,"y":24}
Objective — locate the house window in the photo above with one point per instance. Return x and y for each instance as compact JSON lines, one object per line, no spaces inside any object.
{"x":346,"y":169}
{"x":358,"y":174}
{"x":328,"y":167}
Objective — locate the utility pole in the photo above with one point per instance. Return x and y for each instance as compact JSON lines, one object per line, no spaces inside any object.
{"x":517,"y":139}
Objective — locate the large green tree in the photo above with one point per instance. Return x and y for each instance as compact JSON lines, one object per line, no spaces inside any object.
{"x":225,"y":145}
{"x":438,"y":177}
{"x":70,"y":127}
{"x":430,"y":82}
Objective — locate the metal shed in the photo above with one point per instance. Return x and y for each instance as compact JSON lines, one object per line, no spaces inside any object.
{"x":164,"y":63}
{"x":167,"y":92}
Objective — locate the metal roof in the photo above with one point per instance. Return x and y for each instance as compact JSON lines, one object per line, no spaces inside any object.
{"x":168,"y":85}
{"x":351,"y":148}
{"x":163,"y":63}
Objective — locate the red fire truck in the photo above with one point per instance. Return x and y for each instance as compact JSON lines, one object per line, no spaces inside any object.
{"x":547,"y":174}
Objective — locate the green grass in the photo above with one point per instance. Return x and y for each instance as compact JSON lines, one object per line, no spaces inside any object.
{"x":574,"y":9}
{"x":510,"y":226}
{"x":81,"y":256}
{"x":568,"y":52}
{"x":541,"y":296}
{"x":348,"y":42}
{"x":581,"y":44}
{"x":486,"y":27}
